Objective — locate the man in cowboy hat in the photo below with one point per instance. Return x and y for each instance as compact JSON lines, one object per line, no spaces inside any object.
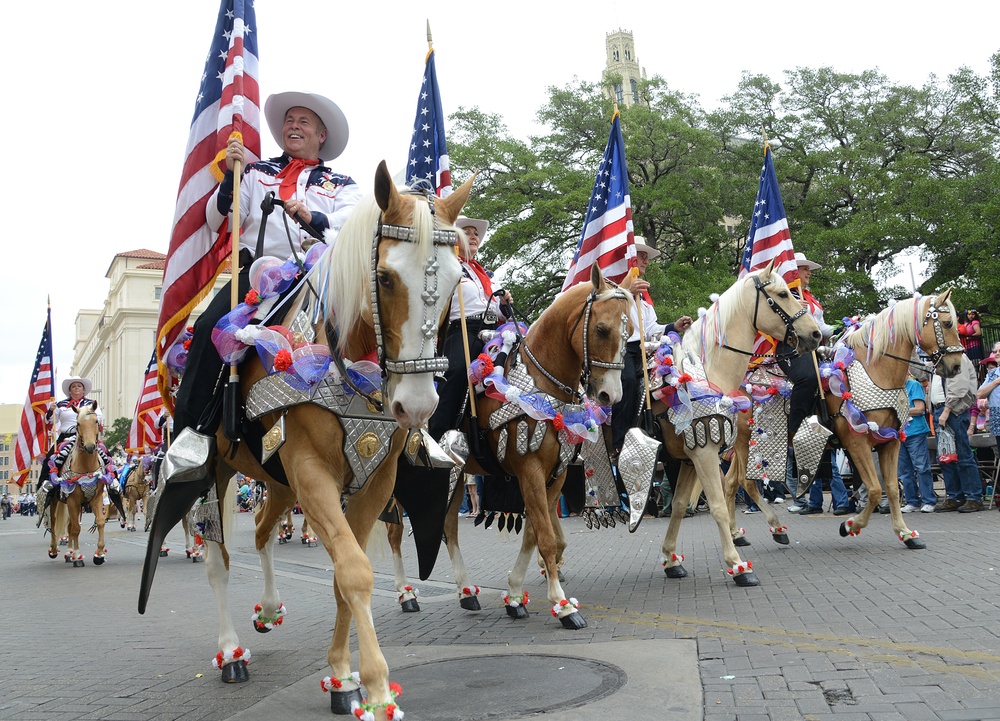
{"x":308,"y":128}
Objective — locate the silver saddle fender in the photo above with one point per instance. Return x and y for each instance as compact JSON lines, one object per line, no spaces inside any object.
{"x":636,"y":465}
{"x":187,"y":458}
{"x":808,"y":443}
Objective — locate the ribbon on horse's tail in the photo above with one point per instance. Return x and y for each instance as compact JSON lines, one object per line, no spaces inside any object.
{"x":231,"y":399}
{"x":647,"y":414}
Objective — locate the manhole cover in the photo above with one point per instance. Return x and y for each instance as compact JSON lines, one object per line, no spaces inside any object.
{"x":488,"y":687}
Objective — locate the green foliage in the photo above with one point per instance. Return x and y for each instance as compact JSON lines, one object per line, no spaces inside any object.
{"x":868,"y":169}
{"x":117,"y":433}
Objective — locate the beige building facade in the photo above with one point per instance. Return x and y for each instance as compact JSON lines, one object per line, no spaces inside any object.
{"x":622,"y":71}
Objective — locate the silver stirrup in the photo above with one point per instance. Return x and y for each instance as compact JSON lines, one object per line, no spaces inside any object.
{"x":809,"y":442}
{"x":188,"y":456}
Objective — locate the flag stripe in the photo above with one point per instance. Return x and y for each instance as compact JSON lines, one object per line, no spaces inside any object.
{"x":144,"y":433}
{"x":427,"y":160}
{"x":607,"y":237}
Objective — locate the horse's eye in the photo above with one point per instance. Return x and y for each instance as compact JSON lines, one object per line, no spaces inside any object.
{"x":384,"y":279}
{"x":947,"y":324}
{"x":783,"y":294}
{"x":603,"y":331}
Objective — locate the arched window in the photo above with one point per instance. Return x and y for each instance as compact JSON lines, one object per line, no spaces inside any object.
{"x":614,"y":54}
{"x":635,"y":90}
{"x":628,"y":54}
{"x":618,"y":92}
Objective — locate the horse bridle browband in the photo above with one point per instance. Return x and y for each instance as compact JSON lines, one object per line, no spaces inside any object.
{"x":430,"y":294}
{"x":588,"y":362}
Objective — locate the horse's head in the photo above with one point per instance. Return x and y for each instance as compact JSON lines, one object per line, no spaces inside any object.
{"x":414,"y":274}
{"x":938,"y":334}
{"x":88,"y":428}
{"x":597,"y":333}
{"x":788,"y":320}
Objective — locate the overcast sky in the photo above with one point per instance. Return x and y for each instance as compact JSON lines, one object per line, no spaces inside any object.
{"x":100,"y":96}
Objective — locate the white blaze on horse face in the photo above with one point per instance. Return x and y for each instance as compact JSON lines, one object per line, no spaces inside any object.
{"x":412,"y":397}
{"x":607,"y":385}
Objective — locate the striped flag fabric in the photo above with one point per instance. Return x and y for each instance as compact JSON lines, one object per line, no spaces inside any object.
{"x":427,"y":161}
{"x":227,"y":103}
{"x":33,"y":431}
{"x":769,"y":239}
{"x":145,"y":433}
{"x":607,"y":236}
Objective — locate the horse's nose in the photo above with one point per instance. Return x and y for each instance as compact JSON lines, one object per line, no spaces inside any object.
{"x":604,"y":398}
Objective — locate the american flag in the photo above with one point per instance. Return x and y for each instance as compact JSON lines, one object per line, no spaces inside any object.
{"x":607,"y":234}
{"x":33,"y":431}
{"x":228,"y":102}
{"x":145,"y":433}
{"x":428,"y":157}
{"x":769,"y":239}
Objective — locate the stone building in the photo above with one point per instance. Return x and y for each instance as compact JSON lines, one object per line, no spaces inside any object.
{"x":622,"y":73}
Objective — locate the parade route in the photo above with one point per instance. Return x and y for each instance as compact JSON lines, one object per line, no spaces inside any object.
{"x":840,"y":628}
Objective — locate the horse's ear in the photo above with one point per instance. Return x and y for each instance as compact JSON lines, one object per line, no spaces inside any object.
{"x":768,"y":270}
{"x":627,"y":280}
{"x":596,"y":279}
{"x":385,"y":190}
{"x":75,"y":410}
{"x":449,"y":208}
{"x":943,"y":298}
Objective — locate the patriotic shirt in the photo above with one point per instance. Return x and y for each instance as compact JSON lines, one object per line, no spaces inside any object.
{"x":329,"y":196}
{"x":65,"y":416}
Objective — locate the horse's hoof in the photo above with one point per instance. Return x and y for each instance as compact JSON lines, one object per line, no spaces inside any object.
{"x":741,"y":541}
{"x":163,"y":554}
{"x":518,"y":612}
{"x":305,"y":541}
{"x":67,"y":559}
{"x":123,"y":525}
{"x":260,"y":629}
{"x":198,"y":559}
{"x":53,"y":554}
{"x":342,"y":701}
{"x":915,"y":543}
{"x":235,"y":672}
{"x":79,"y":563}
{"x":63,"y":542}
{"x":470,"y":603}
{"x":574,"y":621}
{"x":187,"y":552}
{"x":745,"y":580}
{"x":282,"y":540}
{"x":844,"y":533}
{"x":98,"y":560}
{"x":410,"y":606}
{"x":781,"y":538}
{"x":312,"y":544}
{"x":677,"y":571}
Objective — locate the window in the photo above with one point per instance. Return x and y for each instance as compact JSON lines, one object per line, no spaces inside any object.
{"x":628,"y":54}
{"x":635,"y":91}
{"x":157,"y":291}
{"x":614,"y":54}
{"x":618,"y":92}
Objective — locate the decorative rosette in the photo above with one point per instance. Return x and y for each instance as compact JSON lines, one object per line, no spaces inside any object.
{"x":674,"y":559}
{"x":777,"y":529}
{"x":224,"y":657}
{"x":834,"y":371}
{"x":851,"y":530}
{"x":513,"y":602}
{"x":267,"y":622}
{"x":409,"y":593}
{"x":904,"y":537}
{"x":740,"y":568}
{"x":365,"y":711}
{"x":332,"y":683}
{"x":468,"y":591}
{"x":565,"y":607}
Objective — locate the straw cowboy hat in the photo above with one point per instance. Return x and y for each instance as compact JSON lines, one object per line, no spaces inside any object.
{"x":88,"y":385}
{"x":481,"y":226}
{"x":337,"y":131}
{"x":641,"y":247}
{"x":801,"y":261}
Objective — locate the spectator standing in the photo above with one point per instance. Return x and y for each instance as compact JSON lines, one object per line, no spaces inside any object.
{"x":914,"y":467}
{"x":970,"y":331}
{"x":950,"y":403}
{"x":990,"y":390}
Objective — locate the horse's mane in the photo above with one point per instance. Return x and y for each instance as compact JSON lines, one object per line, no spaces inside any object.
{"x":708,"y":332}
{"x":561,"y":300}
{"x":878,"y":333}
{"x":345,"y":269}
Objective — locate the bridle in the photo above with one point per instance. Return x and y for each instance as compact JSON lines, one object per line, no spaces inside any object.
{"x":791,"y":337}
{"x":588,"y":362}
{"x":935,"y":357}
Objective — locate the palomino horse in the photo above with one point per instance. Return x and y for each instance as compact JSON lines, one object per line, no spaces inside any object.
{"x":883,"y":346}
{"x":721,"y":341}
{"x":82,"y":479}
{"x":383,"y":287}
{"x":585,"y":327}
{"x":137,"y":487}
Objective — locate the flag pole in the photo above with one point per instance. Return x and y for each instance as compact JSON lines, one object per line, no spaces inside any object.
{"x":51,"y":432}
{"x":230,"y":415}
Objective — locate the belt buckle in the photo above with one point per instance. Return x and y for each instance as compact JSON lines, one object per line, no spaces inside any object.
{"x":489,"y":318}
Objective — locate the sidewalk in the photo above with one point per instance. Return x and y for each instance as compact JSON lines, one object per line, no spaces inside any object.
{"x":840,"y":628}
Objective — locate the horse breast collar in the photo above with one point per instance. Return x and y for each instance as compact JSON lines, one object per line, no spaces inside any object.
{"x":709,"y":422}
{"x":869,"y":397}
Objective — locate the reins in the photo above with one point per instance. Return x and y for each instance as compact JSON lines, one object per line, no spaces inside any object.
{"x":789,"y":320}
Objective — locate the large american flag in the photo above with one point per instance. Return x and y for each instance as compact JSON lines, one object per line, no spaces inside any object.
{"x":145,"y":433}
{"x":428,"y":157}
{"x":33,"y":431}
{"x":769,"y":239}
{"x":607,"y":236}
{"x":228,"y":102}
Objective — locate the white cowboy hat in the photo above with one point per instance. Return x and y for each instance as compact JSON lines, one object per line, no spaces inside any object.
{"x":480,"y":225}
{"x":88,"y":385}
{"x":337,"y":131}
{"x":641,"y":247}
{"x":801,"y":261}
